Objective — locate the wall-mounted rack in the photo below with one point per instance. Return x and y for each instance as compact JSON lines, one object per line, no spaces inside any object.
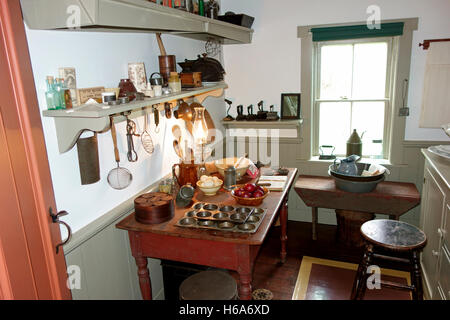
{"x":426,"y":43}
{"x":71,"y":123}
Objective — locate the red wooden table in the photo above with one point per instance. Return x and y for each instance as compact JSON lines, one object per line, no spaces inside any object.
{"x":391,"y":198}
{"x":220,"y":249}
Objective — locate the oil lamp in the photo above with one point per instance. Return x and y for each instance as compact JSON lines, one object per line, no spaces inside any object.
{"x":199,"y":129}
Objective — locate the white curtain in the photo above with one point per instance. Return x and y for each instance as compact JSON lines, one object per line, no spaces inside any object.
{"x":436,"y":91}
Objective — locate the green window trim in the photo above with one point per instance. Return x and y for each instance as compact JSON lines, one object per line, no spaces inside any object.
{"x":357,"y":32}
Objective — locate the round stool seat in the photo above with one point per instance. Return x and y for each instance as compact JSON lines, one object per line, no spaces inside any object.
{"x":209,"y":285}
{"x":392,"y":234}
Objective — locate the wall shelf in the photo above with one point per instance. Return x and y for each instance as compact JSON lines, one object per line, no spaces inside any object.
{"x":71,"y":123}
{"x":129,"y":16}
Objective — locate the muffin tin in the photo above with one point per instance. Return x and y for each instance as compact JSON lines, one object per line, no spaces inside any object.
{"x":222,"y":218}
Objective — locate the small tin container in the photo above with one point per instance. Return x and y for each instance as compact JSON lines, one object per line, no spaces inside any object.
{"x":230,"y":178}
{"x":185,"y":195}
{"x":108,"y":97}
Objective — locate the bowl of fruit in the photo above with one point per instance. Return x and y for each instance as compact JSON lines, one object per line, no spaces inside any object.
{"x":249,"y":194}
{"x":209,"y":185}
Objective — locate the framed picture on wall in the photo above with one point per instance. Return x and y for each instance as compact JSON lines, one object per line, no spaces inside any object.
{"x":290,"y":106}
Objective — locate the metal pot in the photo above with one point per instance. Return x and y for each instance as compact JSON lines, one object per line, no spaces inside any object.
{"x":156,"y":81}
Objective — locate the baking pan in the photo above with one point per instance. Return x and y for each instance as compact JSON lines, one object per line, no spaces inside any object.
{"x":222,"y":218}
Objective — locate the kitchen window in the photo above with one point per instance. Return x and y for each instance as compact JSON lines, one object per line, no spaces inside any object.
{"x":352,"y":90}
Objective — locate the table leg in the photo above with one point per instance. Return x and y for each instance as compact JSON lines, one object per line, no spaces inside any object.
{"x":245,"y":272}
{"x":283,"y":237}
{"x":314,"y":222}
{"x":144,"y":278}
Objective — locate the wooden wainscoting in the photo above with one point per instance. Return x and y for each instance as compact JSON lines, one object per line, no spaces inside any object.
{"x":107,"y":268}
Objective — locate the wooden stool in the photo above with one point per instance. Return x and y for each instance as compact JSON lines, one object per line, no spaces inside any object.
{"x":209,"y":285}
{"x":395,"y":236}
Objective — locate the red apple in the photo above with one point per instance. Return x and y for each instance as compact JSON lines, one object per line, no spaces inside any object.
{"x":250,"y":187}
{"x":259,"y":188}
{"x":258,"y":194}
{"x":246,"y":195}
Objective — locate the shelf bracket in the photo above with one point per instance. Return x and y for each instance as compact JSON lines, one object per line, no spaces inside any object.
{"x":202,"y":97}
{"x":68,"y":130}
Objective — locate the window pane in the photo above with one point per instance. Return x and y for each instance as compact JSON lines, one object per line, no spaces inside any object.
{"x":370,"y":67}
{"x":335,"y":125}
{"x":368,"y":118}
{"x":336,"y":71}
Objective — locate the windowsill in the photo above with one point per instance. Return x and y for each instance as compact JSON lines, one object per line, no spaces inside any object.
{"x":384,"y":162}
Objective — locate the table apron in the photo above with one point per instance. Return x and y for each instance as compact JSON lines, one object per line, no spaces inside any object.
{"x":216,"y":254}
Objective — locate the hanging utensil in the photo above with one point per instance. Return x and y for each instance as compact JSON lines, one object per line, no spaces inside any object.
{"x":146,"y":138}
{"x":118,"y":178}
{"x":156,"y":114}
{"x":178,"y":150}
{"x":131,"y":131}
{"x":168,"y":110}
{"x":176,"y":130}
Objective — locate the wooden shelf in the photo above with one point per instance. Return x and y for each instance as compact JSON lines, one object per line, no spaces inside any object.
{"x":130,"y":16}
{"x":263,"y":124}
{"x":71,"y":123}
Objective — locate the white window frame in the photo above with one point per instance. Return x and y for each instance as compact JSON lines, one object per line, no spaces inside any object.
{"x":392,"y":55}
{"x":400,"y":75}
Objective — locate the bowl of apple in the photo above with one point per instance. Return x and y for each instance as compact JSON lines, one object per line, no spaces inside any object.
{"x":249,"y":194}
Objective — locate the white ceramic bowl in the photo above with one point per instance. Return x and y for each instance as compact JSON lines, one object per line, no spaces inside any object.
{"x":209,"y":191}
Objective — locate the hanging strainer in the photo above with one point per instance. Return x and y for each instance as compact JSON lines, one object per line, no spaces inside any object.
{"x":118,"y":178}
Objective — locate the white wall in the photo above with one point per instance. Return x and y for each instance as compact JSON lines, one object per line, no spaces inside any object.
{"x":271,"y":64}
{"x":101,"y":59}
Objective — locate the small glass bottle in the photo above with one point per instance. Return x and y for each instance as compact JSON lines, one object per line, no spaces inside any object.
{"x":212,"y":9}
{"x":201,"y":7}
{"x":174,"y":82}
{"x":66,"y":96}
{"x":59,"y":95}
{"x":50,"y":94}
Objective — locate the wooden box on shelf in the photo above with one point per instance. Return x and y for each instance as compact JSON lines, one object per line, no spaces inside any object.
{"x":191,"y":80}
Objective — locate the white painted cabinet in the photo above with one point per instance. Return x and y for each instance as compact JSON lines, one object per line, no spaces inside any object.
{"x":435,"y":222}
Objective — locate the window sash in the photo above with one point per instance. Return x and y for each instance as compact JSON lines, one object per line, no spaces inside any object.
{"x":385,"y":128}
{"x":317,"y":86}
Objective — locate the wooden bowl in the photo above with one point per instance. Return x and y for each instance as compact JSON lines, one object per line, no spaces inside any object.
{"x":250,"y":202}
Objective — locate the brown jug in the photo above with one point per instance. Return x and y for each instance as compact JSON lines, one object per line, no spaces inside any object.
{"x":187,"y":173}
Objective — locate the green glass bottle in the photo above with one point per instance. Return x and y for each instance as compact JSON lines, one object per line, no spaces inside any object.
{"x":201,"y":7}
{"x":50,"y":96}
{"x":59,"y":94}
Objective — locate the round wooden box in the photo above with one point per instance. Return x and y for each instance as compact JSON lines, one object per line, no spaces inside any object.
{"x":153,"y":208}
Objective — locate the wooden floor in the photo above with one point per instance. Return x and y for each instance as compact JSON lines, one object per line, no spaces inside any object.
{"x":279,"y":278}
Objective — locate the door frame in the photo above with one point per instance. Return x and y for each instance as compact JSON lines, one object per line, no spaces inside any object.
{"x":29,"y":265}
